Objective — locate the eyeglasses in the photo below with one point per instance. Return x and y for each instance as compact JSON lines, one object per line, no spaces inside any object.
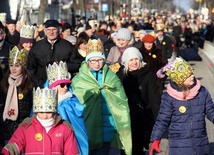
{"x":62,"y":85}
{"x":94,"y":61}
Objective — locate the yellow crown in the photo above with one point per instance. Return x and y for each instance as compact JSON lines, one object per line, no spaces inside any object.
{"x":160,"y":26}
{"x":44,"y":100}
{"x":27,"y":31}
{"x":136,"y":34}
{"x":153,"y":34}
{"x":94,"y":46}
{"x":57,"y":72}
{"x":18,"y":57}
{"x":3,"y":17}
{"x":178,"y":70}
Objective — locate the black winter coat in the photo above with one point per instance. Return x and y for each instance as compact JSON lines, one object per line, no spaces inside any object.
{"x":76,"y":60}
{"x":25,"y":103}
{"x":4,"y":56}
{"x":142,"y":92}
{"x":141,"y":83}
{"x":166,"y":45}
{"x":44,"y":53}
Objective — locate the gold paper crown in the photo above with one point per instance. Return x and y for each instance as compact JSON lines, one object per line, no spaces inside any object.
{"x":27,"y":31}
{"x":136,"y":34}
{"x":178,"y":70}
{"x":94,"y":46}
{"x":3,"y":17}
{"x":160,"y":27}
{"x":18,"y":57}
{"x":57,"y":72}
{"x":44,"y":100}
{"x":153,"y":34}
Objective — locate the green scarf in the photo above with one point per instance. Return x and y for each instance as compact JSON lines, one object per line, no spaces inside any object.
{"x":88,"y":91}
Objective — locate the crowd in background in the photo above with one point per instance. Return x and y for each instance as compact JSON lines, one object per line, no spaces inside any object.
{"x":108,"y":66}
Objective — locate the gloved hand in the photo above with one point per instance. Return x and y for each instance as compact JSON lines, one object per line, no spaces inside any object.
{"x":154,"y":147}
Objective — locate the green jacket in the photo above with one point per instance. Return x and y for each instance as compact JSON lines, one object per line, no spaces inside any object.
{"x":88,"y":91}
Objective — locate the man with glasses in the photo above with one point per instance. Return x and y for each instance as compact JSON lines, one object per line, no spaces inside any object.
{"x":50,"y":49}
{"x":5,"y":48}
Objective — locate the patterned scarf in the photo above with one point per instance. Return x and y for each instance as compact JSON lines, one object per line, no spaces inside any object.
{"x":11,"y":104}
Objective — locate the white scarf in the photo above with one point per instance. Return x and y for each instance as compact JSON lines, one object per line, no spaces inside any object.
{"x":63,"y":97}
{"x":11,"y":105}
{"x":82,"y":53}
{"x":47,"y":123}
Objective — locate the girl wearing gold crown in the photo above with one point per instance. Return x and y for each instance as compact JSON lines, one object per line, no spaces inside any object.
{"x":15,"y":94}
{"x":106,"y":111}
{"x":69,"y":107}
{"x":45,"y":133}
{"x":183,"y":110}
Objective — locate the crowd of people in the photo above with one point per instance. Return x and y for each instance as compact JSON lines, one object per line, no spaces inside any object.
{"x":88,"y":88}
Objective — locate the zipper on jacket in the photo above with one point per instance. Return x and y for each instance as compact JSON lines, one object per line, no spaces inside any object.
{"x":96,"y":75}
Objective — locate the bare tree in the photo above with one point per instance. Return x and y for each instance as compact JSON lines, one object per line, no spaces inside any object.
{"x":42,"y":10}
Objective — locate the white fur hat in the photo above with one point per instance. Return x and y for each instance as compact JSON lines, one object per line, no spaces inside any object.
{"x":130,"y":53}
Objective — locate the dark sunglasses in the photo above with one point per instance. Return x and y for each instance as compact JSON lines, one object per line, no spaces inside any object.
{"x":62,"y":85}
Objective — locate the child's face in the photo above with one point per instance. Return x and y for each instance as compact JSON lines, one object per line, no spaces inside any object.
{"x":189,"y":81}
{"x":27,"y":46}
{"x":62,"y":88}
{"x":15,"y":70}
{"x":45,"y":115}
{"x":96,"y":63}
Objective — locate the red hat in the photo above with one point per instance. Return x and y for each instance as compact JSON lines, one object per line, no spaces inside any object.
{"x":148,"y":38}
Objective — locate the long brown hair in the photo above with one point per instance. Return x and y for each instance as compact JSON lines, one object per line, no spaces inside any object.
{"x":24,"y":87}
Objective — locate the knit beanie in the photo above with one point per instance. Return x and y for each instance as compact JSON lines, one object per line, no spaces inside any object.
{"x":130,"y":53}
{"x":148,"y":39}
{"x":124,"y":33}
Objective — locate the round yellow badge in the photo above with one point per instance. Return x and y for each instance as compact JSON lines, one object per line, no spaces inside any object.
{"x":164,"y":43}
{"x":20,"y":96}
{"x":38,"y":136}
{"x":154,"y":56}
{"x":182,"y":109}
{"x":3,"y":66}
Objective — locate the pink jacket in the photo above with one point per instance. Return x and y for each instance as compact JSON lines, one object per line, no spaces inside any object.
{"x":31,"y":138}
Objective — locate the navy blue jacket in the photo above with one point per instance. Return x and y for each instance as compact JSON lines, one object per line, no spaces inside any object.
{"x":186,"y":123}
